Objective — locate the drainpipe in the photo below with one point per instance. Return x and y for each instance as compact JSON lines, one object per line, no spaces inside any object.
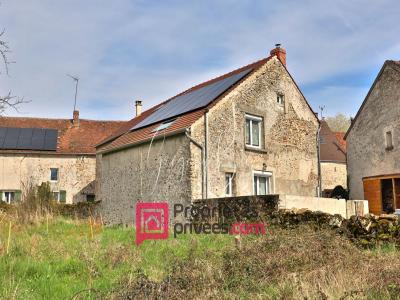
{"x":205,"y":150}
{"x":319,"y":187}
{"x":202,"y":162}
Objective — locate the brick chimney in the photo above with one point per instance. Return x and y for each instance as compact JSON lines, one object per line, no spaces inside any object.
{"x":138,"y":106}
{"x":75,"y":120}
{"x":280,"y":53}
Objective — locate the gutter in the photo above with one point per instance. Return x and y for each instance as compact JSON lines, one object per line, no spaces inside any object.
{"x":203,"y":173}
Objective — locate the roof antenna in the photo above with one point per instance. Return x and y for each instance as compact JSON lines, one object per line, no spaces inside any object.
{"x":321,"y":108}
{"x":76,"y":79}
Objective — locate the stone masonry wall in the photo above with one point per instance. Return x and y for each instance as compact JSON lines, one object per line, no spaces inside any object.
{"x":147,"y":172}
{"x":333,"y":174}
{"x":366,"y":153}
{"x":76,"y":173}
{"x":289,"y":133}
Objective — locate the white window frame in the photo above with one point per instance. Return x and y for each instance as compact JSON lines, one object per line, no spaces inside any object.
{"x":229,"y":177}
{"x":58,"y":195}
{"x":4,"y":199}
{"x":58,"y":175}
{"x":269,"y":180}
{"x":252,"y":118}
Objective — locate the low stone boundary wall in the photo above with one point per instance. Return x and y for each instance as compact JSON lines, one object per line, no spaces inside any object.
{"x":345,"y":208}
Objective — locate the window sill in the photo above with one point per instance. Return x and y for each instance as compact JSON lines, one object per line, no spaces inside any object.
{"x":255,"y":149}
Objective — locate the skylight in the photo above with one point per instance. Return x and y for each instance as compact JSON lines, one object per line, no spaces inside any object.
{"x":164,"y":125}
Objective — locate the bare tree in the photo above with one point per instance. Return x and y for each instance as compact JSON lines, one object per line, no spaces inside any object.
{"x":338,"y":123}
{"x":7,"y":101}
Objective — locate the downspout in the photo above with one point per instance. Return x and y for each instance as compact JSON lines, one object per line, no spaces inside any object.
{"x":206,"y":151}
{"x":319,"y":187}
{"x":202,"y":161}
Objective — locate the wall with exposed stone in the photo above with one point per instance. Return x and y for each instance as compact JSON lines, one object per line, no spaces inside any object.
{"x":333,"y":174}
{"x":76,"y":174}
{"x":289,"y":137}
{"x":366,"y":146}
{"x":150,"y":172}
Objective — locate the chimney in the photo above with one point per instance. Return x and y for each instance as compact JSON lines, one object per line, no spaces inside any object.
{"x":280,"y":53}
{"x":75,"y":120}
{"x":138,"y":106}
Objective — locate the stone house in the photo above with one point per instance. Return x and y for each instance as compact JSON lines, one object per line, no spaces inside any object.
{"x":332,"y":159}
{"x":58,"y":151}
{"x":373,"y":144}
{"x":250,"y":131}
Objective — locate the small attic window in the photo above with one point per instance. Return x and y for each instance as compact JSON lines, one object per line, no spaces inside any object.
{"x":389,"y":140}
{"x":280,"y":98}
{"x":163,"y":125}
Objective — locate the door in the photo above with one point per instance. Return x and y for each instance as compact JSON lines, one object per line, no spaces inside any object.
{"x":396,"y":184}
{"x":372,"y":192}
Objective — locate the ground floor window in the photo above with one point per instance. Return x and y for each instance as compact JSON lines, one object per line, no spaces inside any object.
{"x":229,"y":184}
{"x":262,"y":183}
{"x":60,"y":196}
{"x":10,"y":196}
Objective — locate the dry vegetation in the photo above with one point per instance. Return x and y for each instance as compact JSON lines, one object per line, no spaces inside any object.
{"x":45,"y":256}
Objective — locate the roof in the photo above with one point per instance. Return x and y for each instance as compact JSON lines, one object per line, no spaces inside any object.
{"x":127,"y":135}
{"x":342,"y":142}
{"x":71,"y":139}
{"x":393,"y":63}
{"x":330,"y":146}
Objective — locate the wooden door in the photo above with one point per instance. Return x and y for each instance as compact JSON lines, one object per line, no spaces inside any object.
{"x":372,"y":192}
{"x":396,"y":185}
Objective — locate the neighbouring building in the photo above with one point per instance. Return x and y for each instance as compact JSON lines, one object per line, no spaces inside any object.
{"x":250,"y":131}
{"x":58,"y":151}
{"x":373,"y":144}
{"x":333,"y":159}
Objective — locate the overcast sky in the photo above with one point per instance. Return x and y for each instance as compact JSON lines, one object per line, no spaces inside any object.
{"x":150,"y":50}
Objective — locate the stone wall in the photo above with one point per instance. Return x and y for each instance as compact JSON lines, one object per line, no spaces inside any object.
{"x":150,"y":172}
{"x":76,"y":173}
{"x":289,"y":137}
{"x":333,"y":174}
{"x":366,"y":153}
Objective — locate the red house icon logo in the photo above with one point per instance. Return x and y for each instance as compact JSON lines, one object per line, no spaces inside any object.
{"x":151,"y":221}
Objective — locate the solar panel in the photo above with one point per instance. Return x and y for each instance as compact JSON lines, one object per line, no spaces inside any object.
{"x":38,"y":139}
{"x":50,"y":140}
{"x":28,"y":138}
{"x":192,"y":100}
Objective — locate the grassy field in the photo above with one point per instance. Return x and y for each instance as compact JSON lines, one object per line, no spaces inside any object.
{"x":65,"y":259}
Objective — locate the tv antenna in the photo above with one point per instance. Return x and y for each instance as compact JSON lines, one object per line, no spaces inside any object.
{"x":321,"y":108}
{"x":76,"y":79}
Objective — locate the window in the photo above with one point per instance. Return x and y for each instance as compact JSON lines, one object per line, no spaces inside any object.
{"x":53,"y":174}
{"x":262,"y":183}
{"x":90,"y":198}
{"x":164,"y":125}
{"x":56,"y":196}
{"x":8,"y":197}
{"x":280,"y":98}
{"x":389,"y":140}
{"x":253,"y":131}
{"x":229,"y":184}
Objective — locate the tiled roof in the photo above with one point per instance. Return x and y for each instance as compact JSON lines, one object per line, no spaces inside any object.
{"x":342,"y":142}
{"x":331,"y":149}
{"x":71,"y":139}
{"x":126,"y":137}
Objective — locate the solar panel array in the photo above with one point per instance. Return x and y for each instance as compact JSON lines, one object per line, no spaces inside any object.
{"x":196,"y":99}
{"x":28,"y":139}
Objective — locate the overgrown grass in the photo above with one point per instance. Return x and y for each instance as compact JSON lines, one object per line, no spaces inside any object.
{"x":63,"y":259}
